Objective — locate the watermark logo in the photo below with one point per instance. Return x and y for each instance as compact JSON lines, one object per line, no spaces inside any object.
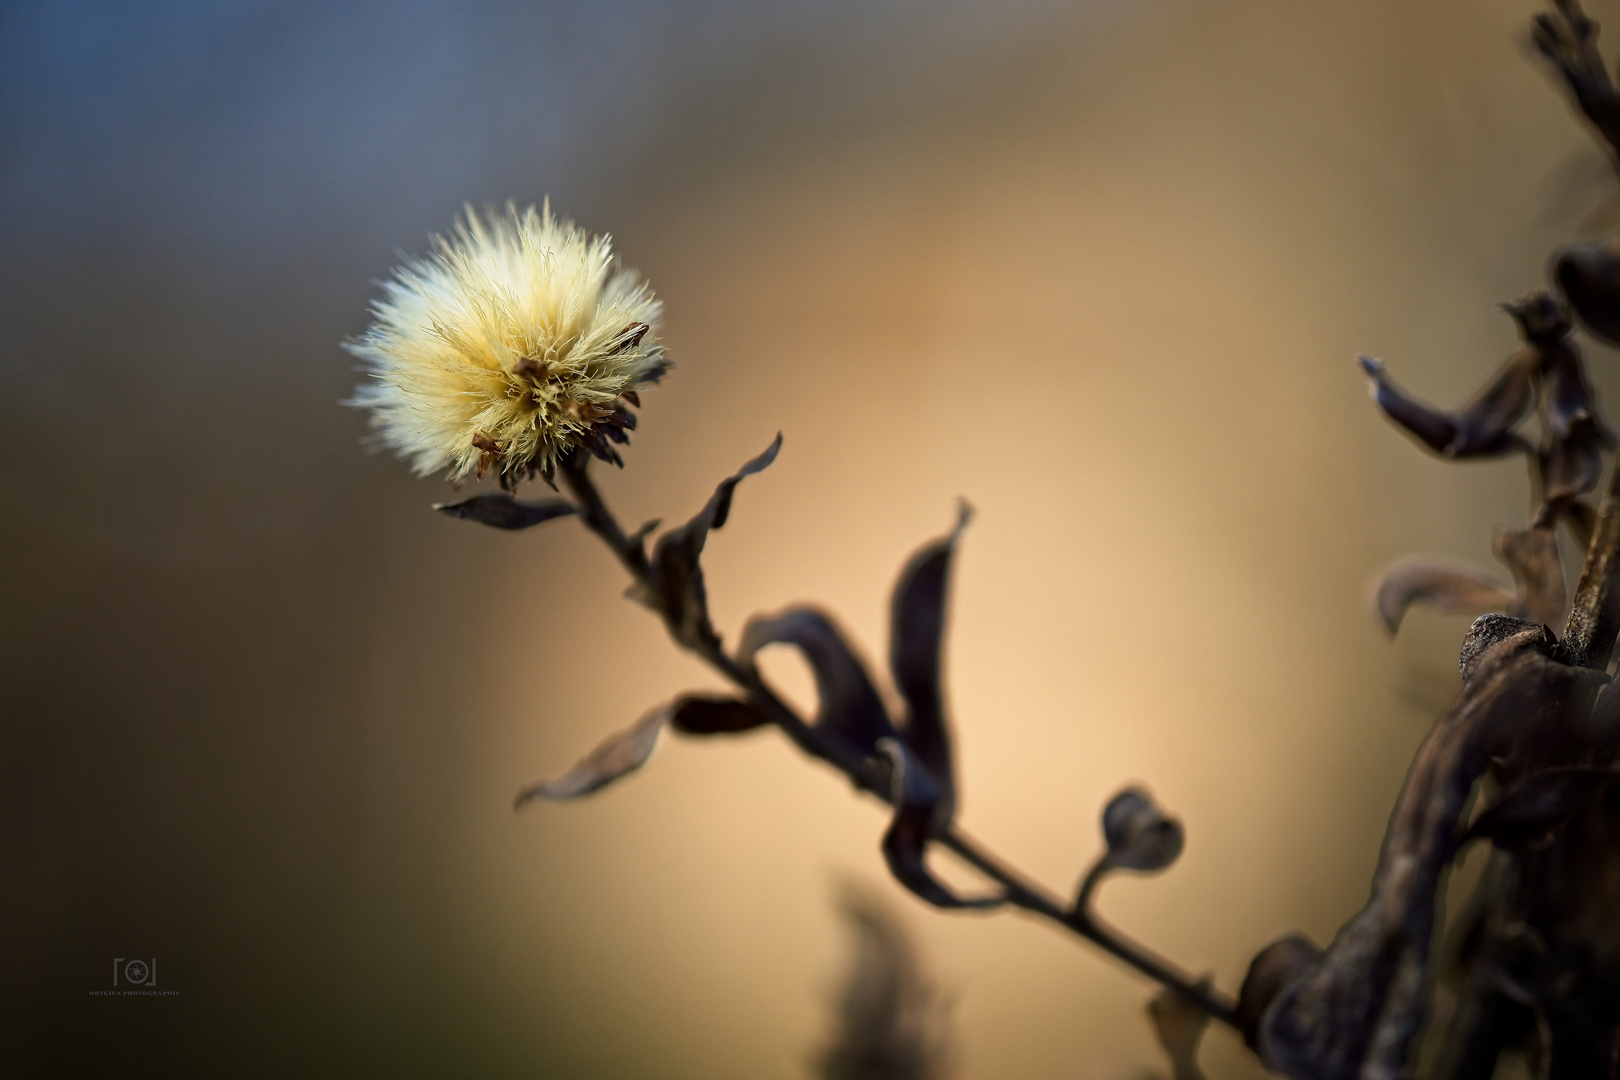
{"x":134,"y":977}
{"x":134,"y":972}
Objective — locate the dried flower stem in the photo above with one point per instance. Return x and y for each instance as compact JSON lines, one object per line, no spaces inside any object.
{"x":1020,"y":892}
{"x":1594,"y":621}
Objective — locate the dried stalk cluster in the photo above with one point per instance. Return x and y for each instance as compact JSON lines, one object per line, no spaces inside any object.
{"x":1535,"y":733}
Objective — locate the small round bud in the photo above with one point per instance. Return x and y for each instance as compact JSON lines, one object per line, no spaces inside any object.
{"x":1140,"y":836}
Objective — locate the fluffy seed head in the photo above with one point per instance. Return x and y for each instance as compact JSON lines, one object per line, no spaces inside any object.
{"x":513,"y":344}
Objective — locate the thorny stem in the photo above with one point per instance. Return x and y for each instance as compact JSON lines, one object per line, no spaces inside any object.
{"x":1020,"y":892}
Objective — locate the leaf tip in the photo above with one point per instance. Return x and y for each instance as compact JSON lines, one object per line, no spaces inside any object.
{"x":769,"y":454}
{"x":964,"y":516}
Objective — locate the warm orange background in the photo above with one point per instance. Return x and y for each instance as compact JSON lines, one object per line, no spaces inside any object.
{"x":1101,"y":269}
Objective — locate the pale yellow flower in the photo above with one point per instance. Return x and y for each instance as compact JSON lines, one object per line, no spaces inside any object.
{"x":515,"y":343}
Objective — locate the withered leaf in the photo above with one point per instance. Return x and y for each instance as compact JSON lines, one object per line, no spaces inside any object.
{"x":1447,"y":587}
{"x":677,"y":571}
{"x":1581,"y":520}
{"x":1273,"y":968}
{"x":1483,"y":427}
{"x":1140,"y":836}
{"x":1179,"y":1022}
{"x":1602,"y":728}
{"x":620,"y":753}
{"x":847,"y":703}
{"x":504,"y":512}
{"x":1571,"y":459}
{"x":625,"y":751}
{"x":1532,"y":556}
{"x":1356,"y":1013}
{"x":1567,"y":396}
{"x":905,"y":843}
{"x":1568,"y":38}
{"x":1531,"y":810}
{"x":916,"y":630}
{"x":704,"y":715}
{"x":1542,"y":320}
{"x":1572,"y":463}
{"x":1588,"y":274}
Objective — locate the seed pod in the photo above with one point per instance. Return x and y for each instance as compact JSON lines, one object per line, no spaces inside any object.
{"x":1140,"y":836}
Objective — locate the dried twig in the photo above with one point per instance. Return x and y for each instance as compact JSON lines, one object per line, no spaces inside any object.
{"x":1018,"y":891}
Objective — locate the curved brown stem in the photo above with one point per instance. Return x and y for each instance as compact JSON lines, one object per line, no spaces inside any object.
{"x":1594,"y":620}
{"x":1020,"y":892}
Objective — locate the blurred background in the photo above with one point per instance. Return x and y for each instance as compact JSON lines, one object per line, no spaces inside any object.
{"x":1100,"y":267}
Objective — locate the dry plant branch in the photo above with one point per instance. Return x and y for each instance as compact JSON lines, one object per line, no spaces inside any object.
{"x":519,"y":348}
{"x":1017,"y":890}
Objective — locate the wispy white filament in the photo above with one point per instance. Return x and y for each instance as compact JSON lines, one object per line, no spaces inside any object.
{"x":506,"y":345}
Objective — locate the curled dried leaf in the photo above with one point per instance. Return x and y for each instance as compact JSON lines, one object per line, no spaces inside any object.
{"x":678,"y":590}
{"x":504,"y":512}
{"x":1581,"y":520}
{"x":1601,"y":733}
{"x":1538,"y":805}
{"x":848,"y":704}
{"x":621,"y":753}
{"x":1568,"y":39}
{"x":905,"y":844}
{"x":1567,"y":394}
{"x":1483,"y":427}
{"x":699,"y":714}
{"x":1140,"y":836}
{"x":916,"y":630}
{"x":1532,"y":556}
{"x":1571,"y":457}
{"x":1541,"y":319}
{"x":1588,"y":275}
{"x":1356,"y":1013}
{"x":1572,"y":464}
{"x":1272,"y":969}
{"x":625,"y":751}
{"x":1446,"y":586}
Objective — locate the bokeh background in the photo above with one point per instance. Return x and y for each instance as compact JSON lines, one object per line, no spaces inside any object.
{"x":1099,"y":267}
